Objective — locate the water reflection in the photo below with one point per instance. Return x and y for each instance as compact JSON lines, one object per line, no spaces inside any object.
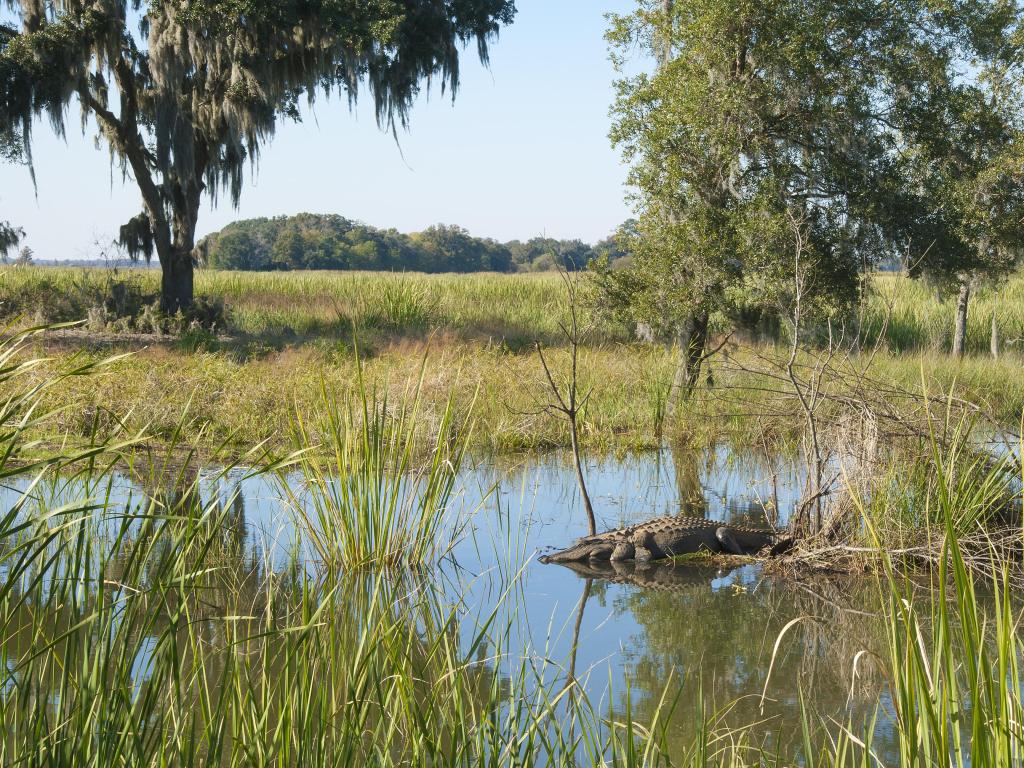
{"x":642,"y":626}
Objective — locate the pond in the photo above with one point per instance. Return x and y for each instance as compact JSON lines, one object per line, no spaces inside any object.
{"x":708,"y":632}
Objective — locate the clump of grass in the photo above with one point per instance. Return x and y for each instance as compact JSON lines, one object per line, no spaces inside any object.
{"x":955,"y":655}
{"x":397,"y":305}
{"x":370,"y":494}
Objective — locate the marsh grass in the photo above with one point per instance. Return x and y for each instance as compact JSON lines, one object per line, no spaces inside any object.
{"x":287,"y":331}
{"x":908,"y":316}
{"x":140,"y":633}
{"x":955,"y":653}
{"x":378,"y":498}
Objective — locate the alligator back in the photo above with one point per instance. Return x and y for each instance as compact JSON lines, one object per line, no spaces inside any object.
{"x":664,"y":537}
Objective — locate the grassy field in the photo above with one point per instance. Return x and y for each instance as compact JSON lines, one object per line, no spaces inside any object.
{"x":283,"y":335}
{"x":517,"y":309}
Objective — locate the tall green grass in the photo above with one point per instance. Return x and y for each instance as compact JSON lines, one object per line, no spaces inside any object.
{"x":287,"y":331}
{"x":911,"y":316}
{"x":138,"y":633}
{"x":955,"y":644}
{"x":369,"y":493}
{"x":906,"y":315}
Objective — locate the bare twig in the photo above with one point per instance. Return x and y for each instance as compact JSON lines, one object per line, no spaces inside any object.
{"x":567,"y":401}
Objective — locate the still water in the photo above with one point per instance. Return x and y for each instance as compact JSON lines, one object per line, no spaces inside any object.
{"x":705,"y":631}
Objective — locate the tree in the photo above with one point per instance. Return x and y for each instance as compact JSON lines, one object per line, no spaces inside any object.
{"x":195,"y":92}
{"x":25,"y":257}
{"x":615,"y":249}
{"x":289,"y":250}
{"x":9,"y":238}
{"x":447,"y":248}
{"x":963,"y":212}
{"x":759,"y":113}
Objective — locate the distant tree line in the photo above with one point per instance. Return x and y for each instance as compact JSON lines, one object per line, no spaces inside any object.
{"x":315,"y":241}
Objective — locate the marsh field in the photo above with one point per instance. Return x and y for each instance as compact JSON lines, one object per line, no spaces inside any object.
{"x":282,"y":335}
{"x":306,"y":531}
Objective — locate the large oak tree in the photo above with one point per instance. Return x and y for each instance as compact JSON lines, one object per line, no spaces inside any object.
{"x":765,"y":122}
{"x":187,"y":92}
{"x":961,"y":202}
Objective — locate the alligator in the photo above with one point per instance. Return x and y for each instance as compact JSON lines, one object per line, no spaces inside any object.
{"x":669,"y":536}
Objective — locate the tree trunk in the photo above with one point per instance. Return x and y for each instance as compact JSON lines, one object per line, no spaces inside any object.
{"x":692,"y":337}
{"x":994,"y":341}
{"x":177,"y":286}
{"x":960,"y":328}
{"x":177,"y":282}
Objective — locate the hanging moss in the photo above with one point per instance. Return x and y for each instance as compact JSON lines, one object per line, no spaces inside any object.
{"x":10,"y":236}
{"x":136,"y":237}
{"x":190,"y":96}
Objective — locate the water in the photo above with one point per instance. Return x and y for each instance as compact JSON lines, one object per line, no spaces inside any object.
{"x":711,"y":631}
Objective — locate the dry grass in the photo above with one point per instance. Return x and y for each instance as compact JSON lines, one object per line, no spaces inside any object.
{"x":289,"y":331}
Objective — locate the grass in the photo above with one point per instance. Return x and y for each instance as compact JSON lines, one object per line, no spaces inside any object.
{"x":372,"y":503}
{"x":279,"y":307}
{"x":954,"y":663}
{"x":146,"y":634}
{"x":285,"y":333}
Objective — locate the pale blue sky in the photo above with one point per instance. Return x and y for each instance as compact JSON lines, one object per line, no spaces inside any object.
{"x":523,"y":151}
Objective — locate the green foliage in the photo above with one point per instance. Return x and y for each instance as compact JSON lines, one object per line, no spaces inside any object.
{"x":200,"y":87}
{"x":281,"y":332}
{"x":11,"y":145}
{"x":955,"y":655}
{"x":845,"y":133}
{"x":312,"y":241}
{"x":959,"y":211}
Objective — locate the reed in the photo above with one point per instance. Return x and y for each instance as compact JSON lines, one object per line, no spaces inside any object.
{"x":370,"y":494}
{"x":143,"y":633}
{"x":955,"y":645}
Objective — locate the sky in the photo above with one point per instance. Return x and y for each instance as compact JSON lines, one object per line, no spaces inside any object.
{"x":523,"y":151}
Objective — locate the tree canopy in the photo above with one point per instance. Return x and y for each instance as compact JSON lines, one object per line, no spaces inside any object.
{"x":959,"y":207}
{"x":315,"y":241}
{"x":774,"y":128}
{"x":186,"y":93}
